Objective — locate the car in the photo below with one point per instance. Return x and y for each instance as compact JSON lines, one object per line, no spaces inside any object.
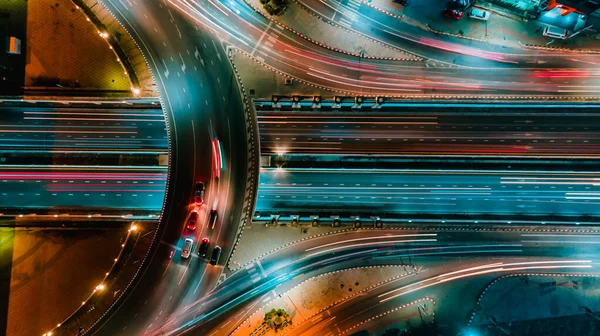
{"x":453,"y":14}
{"x":203,"y":249}
{"x":216,"y":253}
{"x":199,"y":193}
{"x":555,"y":32}
{"x":401,"y":2}
{"x":187,"y":248}
{"x":192,"y":220}
{"x":460,"y":5}
{"x":479,"y":14}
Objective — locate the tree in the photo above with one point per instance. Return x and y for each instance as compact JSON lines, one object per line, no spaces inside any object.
{"x":274,"y":7}
{"x":277,"y":319}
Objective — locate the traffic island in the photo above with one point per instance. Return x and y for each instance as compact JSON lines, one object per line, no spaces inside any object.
{"x":116,"y":281}
{"x":538,"y":303}
{"x":67,"y":53}
{"x":52,"y":271}
{"x":315,"y":295}
{"x":271,"y":239}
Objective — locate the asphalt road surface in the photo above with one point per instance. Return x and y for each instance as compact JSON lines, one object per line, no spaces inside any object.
{"x":515,"y":130}
{"x":88,"y":187}
{"x":442,"y":257}
{"x":82,"y":130}
{"x":202,"y":102}
{"x":479,"y":72}
{"x":430,"y":192}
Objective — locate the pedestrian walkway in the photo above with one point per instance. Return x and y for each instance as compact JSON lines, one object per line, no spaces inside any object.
{"x":501,"y":28}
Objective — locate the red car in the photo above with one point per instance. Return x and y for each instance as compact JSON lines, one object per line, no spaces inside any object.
{"x":192,"y":220}
{"x":453,"y":14}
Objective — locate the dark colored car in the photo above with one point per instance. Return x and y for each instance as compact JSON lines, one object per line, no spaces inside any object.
{"x":401,"y":2}
{"x":460,"y":5}
{"x":199,"y":193}
{"x":216,"y":253}
{"x":203,"y":249}
{"x":192,"y":220}
{"x":453,"y":14}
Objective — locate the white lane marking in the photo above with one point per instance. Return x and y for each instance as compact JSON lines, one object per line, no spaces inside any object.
{"x":261,"y":38}
{"x":262,"y":270}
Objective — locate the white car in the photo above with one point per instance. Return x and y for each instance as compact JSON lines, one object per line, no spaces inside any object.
{"x":555,"y":32}
{"x":187,"y":248}
{"x":479,"y":14}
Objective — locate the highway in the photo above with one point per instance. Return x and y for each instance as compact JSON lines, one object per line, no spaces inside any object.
{"x":405,"y":128}
{"x":428,"y":192}
{"x":442,"y":256}
{"x":202,"y":103}
{"x":481,"y":72}
{"x":85,"y":187}
{"x":67,"y":129}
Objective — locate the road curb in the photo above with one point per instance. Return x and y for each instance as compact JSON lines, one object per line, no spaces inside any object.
{"x":253,"y":169}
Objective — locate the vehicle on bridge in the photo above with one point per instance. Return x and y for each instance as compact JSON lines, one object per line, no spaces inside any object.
{"x":192,"y":220}
{"x":199,"y":193}
{"x":203,"y":249}
{"x":216,"y":253}
{"x":187,"y":248}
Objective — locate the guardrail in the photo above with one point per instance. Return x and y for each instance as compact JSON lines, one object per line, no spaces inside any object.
{"x":358,"y":219}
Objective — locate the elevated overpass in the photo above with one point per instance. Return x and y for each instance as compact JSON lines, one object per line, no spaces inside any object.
{"x":49,"y":131}
{"x":419,"y":128}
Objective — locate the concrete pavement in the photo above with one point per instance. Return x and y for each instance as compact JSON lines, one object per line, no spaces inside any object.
{"x":519,"y":302}
{"x":502,"y":28}
{"x":247,"y":250}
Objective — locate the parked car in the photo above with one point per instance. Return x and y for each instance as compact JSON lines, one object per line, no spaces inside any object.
{"x":453,"y":14}
{"x":192,"y":220}
{"x":216,"y":253}
{"x":203,"y":249}
{"x":460,"y":5}
{"x":555,"y":32}
{"x":187,"y":248}
{"x":199,"y":193}
{"x":479,"y":14}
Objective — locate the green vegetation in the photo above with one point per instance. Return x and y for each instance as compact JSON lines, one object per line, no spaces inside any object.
{"x":277,"y":319}
{"x":274,"y":7}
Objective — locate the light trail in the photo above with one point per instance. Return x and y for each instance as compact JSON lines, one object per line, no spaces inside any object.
{"x":372,"y":238}
{"x":485,"y":269}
